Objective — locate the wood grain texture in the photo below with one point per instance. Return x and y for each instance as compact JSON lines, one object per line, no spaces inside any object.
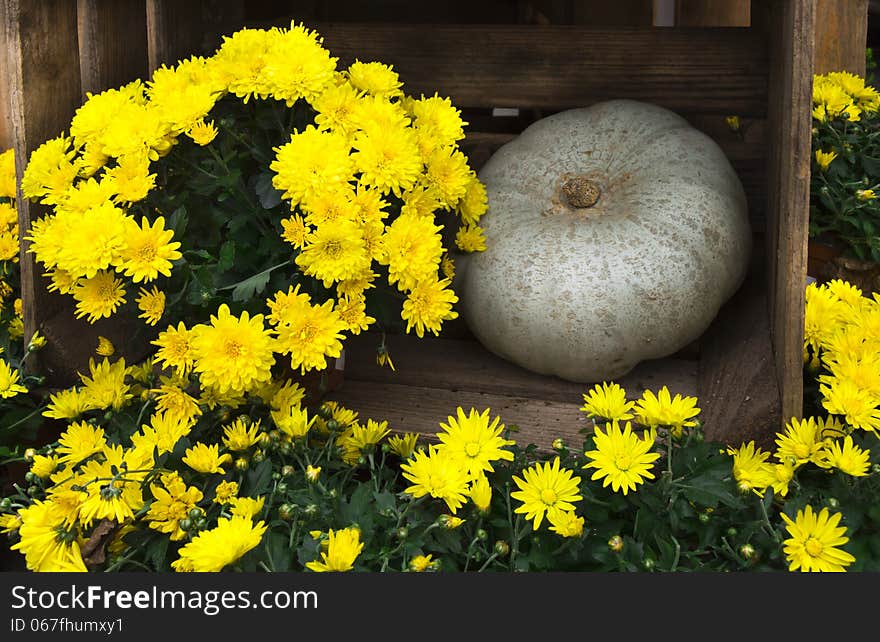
{"x":45,"y":91}
{"x":562,"y":66}
{"x":178,"y":30}
{"x":112,"y":42}
{"x":5,"y":81}
{"x":713,"y":13}
{"x":841,"y":36}
{"x":792,"y":22}
{"x":737,"y":385}
{"x":434,"y":376}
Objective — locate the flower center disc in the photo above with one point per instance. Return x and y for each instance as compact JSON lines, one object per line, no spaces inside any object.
{"x":623,"y":462}
{"x":814,"y":547}
{"x":472,"y":449}
{"x":548,"y":496}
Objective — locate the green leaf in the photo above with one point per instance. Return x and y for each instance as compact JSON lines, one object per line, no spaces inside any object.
{"x":265,"y":190}
{"x":227,"y":256}
{"x":250,"y":287}
{"x":259,"y":478}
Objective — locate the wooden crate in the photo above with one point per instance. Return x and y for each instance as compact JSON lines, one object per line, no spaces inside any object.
{"x":538,"y":58}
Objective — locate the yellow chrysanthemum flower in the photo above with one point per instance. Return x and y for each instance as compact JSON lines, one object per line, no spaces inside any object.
{"x":437,"y":475}
{"x":7,"y":173}
{"x":9,"y":381}
{"x":99,"y":296}
{"x":607,"y":401}
{"x":428,"y":304}
{"x":233,"y":353}
{"x":241,"y":434}
{"x":79,"y":441}
{"x":480,"y":493}
{"x":800,"y":440}
{"x":248,"y":507}
{"x":546,"y":488}
{"x":813,"y":545}
{"x":213,"y":550}
{"x":413,"y":249}
{"x":751,"y":470}
{"x":66,"y":404}
{"x":334,"y":252}
{"x":360,"y":438}
{"x":175,"y":349}
{"x":202,"y":133}
{"x":151,"y":304}
{"x":204,"y":458}
{"x":308,"y":333}
{"x":858,"y":407}
{"x":566,"y":523}
{"x":46,"y":542}
{"x":106,"y":385}
{"x":403,"y":445}
{"x":663,"y":409}
{"x":342,"y":548}
{"x":623,"y":458}
{"x":149,"y":251}
{"x":172,"y":502}
{"x":375,"y":78}
{"x":387,"y":159}
{"x":846,"y":457}
{"x":824,"y":159}
{"x":475,"y":440}
{"x":225,"y":491}
{"x":469,"y":238}
{"x":311,"y":162}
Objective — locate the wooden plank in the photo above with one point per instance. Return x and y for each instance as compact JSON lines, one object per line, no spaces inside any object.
{"x":113,"y":43}
{"x":713,"y":13}
{"x":5,"y":81}
{"x":415,"y":409}
{"x":629,"y":13}
{"x":791,"y":25}
{"x":562,"y":66}
{"x":43,"y":54}
{"x":841,"y":36}
{"x":737,"y":385}
{"x":464,"y":365}
{"x":178,"y":30}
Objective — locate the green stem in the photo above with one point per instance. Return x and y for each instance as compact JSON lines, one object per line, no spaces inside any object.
{"x":491,"y":559}
{"x":23,"y":419}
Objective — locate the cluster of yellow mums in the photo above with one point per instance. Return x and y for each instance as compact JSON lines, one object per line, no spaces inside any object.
{"x":368,"y":142}
{"x":841,"y":95}
{"x":12,"y":324}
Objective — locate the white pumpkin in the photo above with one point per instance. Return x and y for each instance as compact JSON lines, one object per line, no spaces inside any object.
{"x":614,"y":234}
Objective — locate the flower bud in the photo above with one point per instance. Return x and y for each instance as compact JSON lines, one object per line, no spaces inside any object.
{"x":195,"y":512}
{"x":281,"y":487}
{"x":33,"y":490}
{"x":616,"y":544}
{"x":501,"y":548}
{"x":185,"y":524}
{"x":402,"y":532}
{"x":259,"y":455}
{"x":833,"y":502}
{"x":241,"y":464}
{"x":558,"y":444}
{"x":333,"y":493}
{"x":29,"y":454}
{"x":732,"y":532}
{"x":5,"y":504}
{"x":287,"y":471}
{"x":311,"y":510}
{"x":325,"y":411}
{"x":332,"y":425}
{"x":649,"y":564}
{"x":747,"y":551}
{"x":704,"y":518}
{"x":286,"y":512}
{"x":30,"y":477}
{"x":482,"y":535}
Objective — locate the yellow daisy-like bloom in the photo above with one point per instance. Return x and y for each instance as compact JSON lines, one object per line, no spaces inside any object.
{"x":335,"y":106}
{"x":241,"y":434}
{"x":9,"y":248}
{"x":49,"y":171}
{"x":149,"y":251}
{"x":663,"y":409}
{"x":824,"y":159}
{"x":206,"y":459}
{"x":172,"y":503}
{"x":388,"y":159}
{"x":413,"y":249}
{"x":79,"y":441}
{"x":202,"y":132}
{"x":105,"y":347}
{"x":359,"y":439}
{"x":623,"y":458}
{"x":175,"y":402}
{"x":448,"y":174}
{"x":233,"y":354}
{"x":353,"y":312}
{"x":403,"y":445}
{"x":474,"y":203}
{"x":800,"y":440}
{"x":99,"y":296}
{"x":437,"y":475}
{"x":865,"y":194}
{"x":428,"y":305}
{"x":858,"y":407}
{"x":308,"y":333}
{"x":475,"y":440}
{"x":607,"y":401}
{"x":311,"y":162}
{"x":297,"y":65}
{"x":546,"y":488}
{"x":82,"y":244}
{"x":334,"y":252}
{"x":846,"y":457}
{"x":225,"y":491}
{"x":9,"y":381}
{"x":566,"y":523}
{"x":421,"y":563}
{"x":480,"y":493}
{"x":9,"y":523}
{"x":813,"y":545}
{"x":823,"y":316}
{"x":131,"y":179}
{"x":7,"y":174}
{"x":295,"y":231}
{"x":106,"y":386}
{"x":751,"y":470}
{"x":43,"y":465}
{"x":175,"y":349}
{"x":342,"y":548}
{"x":782,"y":475}
{"x":45,"y":541}
{"x":447,"y":266}
{"x":163,"y":433}
{"x":248,"y":507}
{"x":293,"y":420}
{"x":469,"y":238}
{"x":66,"y":404}
{"x":213,"y":550}
{"x":375,"y":78}
{"x":151,"y":303}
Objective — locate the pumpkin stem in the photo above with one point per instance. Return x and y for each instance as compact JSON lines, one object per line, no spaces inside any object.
{"x":581,"y":192}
